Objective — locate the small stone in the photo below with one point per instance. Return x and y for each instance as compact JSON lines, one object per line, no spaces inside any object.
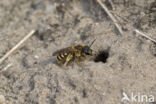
{"x":36,"y":57}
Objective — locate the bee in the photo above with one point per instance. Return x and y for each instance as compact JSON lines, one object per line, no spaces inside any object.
{"x":75,"y":53}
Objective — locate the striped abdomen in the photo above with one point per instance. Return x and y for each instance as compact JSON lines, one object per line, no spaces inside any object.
{"x":62,"y":56}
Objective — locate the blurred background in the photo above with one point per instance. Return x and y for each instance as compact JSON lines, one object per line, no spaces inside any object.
{"x":127,"y":64}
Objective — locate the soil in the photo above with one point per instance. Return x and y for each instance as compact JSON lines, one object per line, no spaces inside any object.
{"x":124,"y":63}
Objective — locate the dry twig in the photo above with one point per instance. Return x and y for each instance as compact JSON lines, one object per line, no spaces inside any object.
{"x":111,"y":16}
{"x":6,"y":68}
{"x":144,"y":35}
{"x":17,"y":46}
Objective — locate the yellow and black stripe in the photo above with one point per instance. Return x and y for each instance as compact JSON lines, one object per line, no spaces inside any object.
{"x":62,"y":56}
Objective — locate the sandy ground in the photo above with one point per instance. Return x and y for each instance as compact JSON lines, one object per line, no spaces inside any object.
{"x":34,"y":77}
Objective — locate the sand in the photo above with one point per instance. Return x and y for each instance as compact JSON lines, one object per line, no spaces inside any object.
{"x":126,"y":64}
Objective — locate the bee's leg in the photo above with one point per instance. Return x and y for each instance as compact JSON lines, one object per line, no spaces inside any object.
{"x":65,"y":64}
{"x":78,"y":62}
{"x":69,"y":57}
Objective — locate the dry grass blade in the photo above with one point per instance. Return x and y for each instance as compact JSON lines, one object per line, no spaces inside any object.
{"x":6,"y":68}
{"x":111,"y":16}
{"x":144,"y":35}
{"x":17,"y":46}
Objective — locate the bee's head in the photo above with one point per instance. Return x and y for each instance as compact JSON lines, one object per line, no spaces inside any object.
{"x":87,"y":50}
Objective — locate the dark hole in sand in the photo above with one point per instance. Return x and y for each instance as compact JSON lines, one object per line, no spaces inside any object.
{"x":102,"y":56}
{"x":153,"y":102}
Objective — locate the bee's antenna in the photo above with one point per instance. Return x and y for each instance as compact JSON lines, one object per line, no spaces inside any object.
{"x":92,"y":43}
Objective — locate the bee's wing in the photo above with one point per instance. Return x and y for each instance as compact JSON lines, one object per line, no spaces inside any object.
{"x":67,"y":50}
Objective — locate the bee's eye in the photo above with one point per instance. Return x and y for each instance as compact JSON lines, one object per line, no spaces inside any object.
{"x":87,"y":50}
{"x":78,"y":47}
